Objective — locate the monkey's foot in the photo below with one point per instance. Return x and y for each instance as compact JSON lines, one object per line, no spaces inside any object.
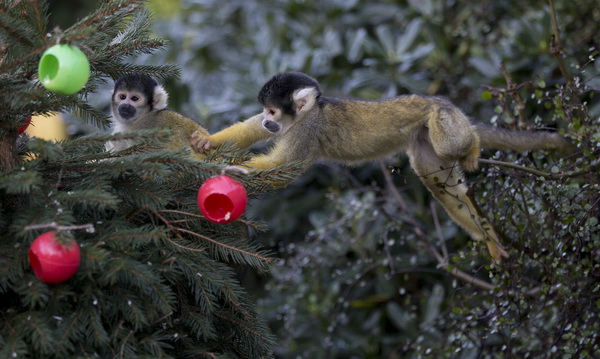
{"x":496,"y":250}
{"x":470,"y":162}
{"x":199,"y":142}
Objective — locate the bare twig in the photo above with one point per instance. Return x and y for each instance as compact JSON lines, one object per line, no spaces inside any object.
{"x":390,"y":185}
{"x":540,"y":173}
{"x":513,"y":90}
{"x":556,"y":45}
{"x":438,"y":229}
{"x":87,"y":227}
{"x":470,"y":279}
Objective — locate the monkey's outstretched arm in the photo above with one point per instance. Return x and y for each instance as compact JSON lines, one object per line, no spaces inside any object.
{"x":276,"y":157}
{"x":243,"y":134}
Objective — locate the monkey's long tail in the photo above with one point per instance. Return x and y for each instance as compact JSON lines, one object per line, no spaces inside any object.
{"x":504,"y":139}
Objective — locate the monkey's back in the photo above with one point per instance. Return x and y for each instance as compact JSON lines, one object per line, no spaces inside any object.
{"x":358,"y":130}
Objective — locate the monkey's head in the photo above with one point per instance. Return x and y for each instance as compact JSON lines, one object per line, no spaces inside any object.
{"x":286,"y":96}
{"x":135,"y":95}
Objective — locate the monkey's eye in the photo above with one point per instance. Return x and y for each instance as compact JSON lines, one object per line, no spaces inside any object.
{"x":122,"y":97}
{"x":134,"y":98}
{"x":271,"y":112}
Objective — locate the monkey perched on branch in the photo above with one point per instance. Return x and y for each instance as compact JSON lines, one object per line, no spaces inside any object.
{"x":140,"y":103}
{"x":438,"y":138}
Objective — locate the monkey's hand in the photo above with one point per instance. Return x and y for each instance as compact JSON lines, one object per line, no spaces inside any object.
{"x":200,"y":141}
{"x":234,"y":168}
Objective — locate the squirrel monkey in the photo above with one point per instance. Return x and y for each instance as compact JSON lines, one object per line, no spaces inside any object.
{"x":438,"y":138}
{"x":139,"y":103}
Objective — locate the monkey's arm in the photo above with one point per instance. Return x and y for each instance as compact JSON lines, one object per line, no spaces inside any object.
{"x":182,"y":128}
{"x":243,"y":134}
{"x":284,"y":152}
{"x":276,"y":157}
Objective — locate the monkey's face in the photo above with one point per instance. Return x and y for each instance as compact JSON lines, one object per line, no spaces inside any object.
{"x":282,"y":110}
{"x":129,"y":105}
{"x":275,"y":121}
{"x":272,"y":116}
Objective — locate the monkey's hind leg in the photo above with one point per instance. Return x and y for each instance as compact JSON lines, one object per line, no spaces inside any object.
{"x":453,"y":136}
{"x":445,"y":181}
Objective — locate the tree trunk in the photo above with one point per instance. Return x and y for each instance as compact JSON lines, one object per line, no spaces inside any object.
{"x":8,"y":153}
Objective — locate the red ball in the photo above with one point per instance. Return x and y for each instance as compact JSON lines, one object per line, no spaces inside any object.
{"x":53,"y":262}
{"x":24,"y":125}
{"x":221,"y":199}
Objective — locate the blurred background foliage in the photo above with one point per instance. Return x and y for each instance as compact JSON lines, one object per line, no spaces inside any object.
{"x":371,"y":267}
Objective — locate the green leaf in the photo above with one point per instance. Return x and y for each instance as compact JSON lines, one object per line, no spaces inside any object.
{"x":407,"y":39}
{"x":357,"y":40}
{"x":400,"y":318}
{"x":484,"y":66}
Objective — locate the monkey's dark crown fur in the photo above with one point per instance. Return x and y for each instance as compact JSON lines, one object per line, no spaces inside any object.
{"x":281,"y":88}
{"x":140,"y":82}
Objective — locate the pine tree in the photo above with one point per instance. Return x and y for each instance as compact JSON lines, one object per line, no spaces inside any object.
{"x":156,"y":278}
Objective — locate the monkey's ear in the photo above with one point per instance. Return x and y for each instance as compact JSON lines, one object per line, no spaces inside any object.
{"x":160,"y":98}
{"x":305,"y":99}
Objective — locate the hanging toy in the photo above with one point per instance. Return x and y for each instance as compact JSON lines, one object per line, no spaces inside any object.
{"x":221,"y":199}
{"x":64,"y":69}
{"x":24,"y":125}
{"x":51,"y":261}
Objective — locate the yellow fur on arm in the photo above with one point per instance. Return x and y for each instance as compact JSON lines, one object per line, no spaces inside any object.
{"x":243,"y":134}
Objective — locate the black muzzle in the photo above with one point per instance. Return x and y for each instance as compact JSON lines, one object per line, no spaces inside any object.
{"x":126,"y":111}
{"x":271,"y":126}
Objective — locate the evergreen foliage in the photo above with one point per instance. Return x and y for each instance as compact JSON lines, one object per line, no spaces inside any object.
{"x":156,"y":278}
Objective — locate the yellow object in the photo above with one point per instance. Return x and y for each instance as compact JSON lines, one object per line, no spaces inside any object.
{"x":50,"y":127}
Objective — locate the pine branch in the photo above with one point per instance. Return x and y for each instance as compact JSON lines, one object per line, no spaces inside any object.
{"x":226,"y":246}
{"x":234,"y":319}
{"x":198,"y":235}
{"x":161,"y":71}
{"x":9,"y":63}
{"x":108,"y":15}
{"x":19,"y":182}
{"x":15,"y":28}
{"x":16,"y":16}
{"x":122,"y":50}
{"x":96,"y":198}
{"x":39,"y":16}
{"x":69,"y":332}
{"x":123,"y":237}
{"x":203,"y":328}
{"x":142,"y":138}
{"x":38,"y":329}
{"x":137,"y":28}
{"x":90,"y":114}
